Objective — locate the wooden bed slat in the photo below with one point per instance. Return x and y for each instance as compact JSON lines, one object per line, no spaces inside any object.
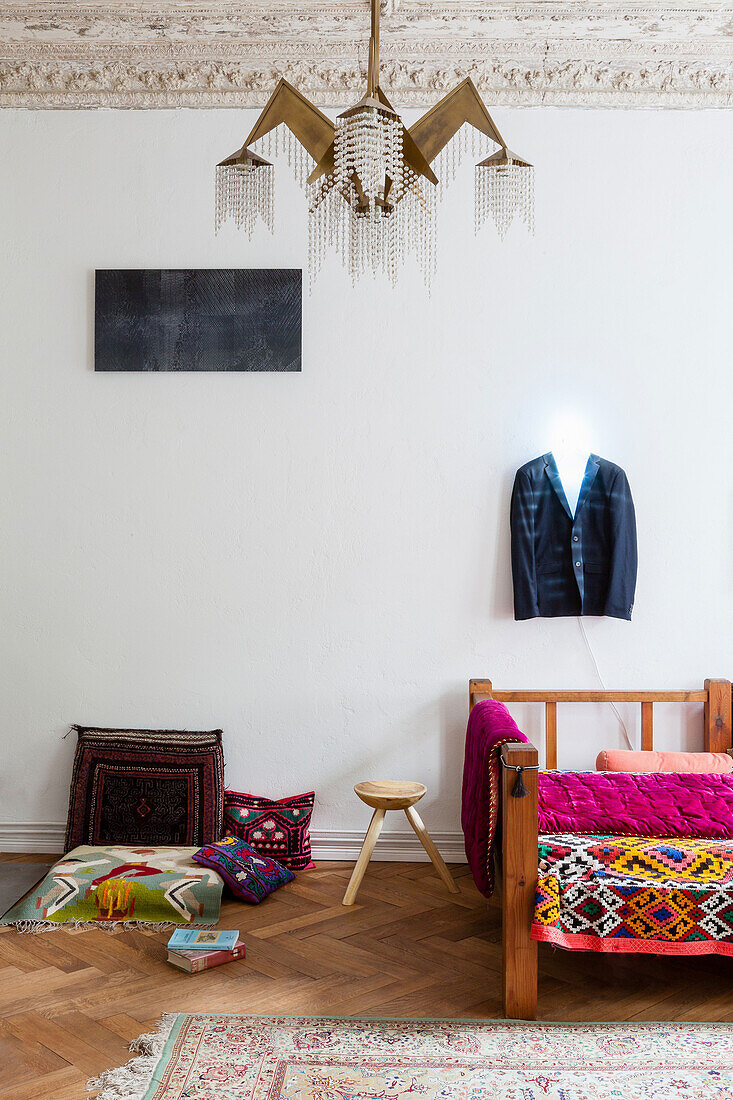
{"x":647,"y":726}
{"x":551,"y":736}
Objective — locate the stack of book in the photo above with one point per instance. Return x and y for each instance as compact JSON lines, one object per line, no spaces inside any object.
{"x":193,"y":951}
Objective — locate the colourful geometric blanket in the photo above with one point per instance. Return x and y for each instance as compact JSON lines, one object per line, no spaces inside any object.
{"x":115,"y":886}
{"x":636,"y":894}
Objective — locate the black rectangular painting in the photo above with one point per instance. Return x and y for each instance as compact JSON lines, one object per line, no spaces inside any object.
{"x":239,"y":319}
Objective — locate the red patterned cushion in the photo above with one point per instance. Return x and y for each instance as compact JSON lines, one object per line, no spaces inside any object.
{"x":149,"y":787}
{"x":276,"y":828}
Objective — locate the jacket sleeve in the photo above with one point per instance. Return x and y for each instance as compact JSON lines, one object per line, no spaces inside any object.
{"x":624,"y":558}
{"x":523,"y":557}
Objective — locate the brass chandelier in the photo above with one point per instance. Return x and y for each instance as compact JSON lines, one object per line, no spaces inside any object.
{"x":369,"y":182}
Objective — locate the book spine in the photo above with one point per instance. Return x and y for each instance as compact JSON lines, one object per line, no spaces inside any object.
{"x":206,"y":962}
{"x":239,"y":948}
{"x":200,"y":948}
{"x":217,"y":958}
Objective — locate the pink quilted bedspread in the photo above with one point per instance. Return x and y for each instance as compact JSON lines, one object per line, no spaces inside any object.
{"x":656,"y":804}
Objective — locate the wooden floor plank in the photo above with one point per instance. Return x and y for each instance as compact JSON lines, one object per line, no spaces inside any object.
{"x":290,"y":924}
{"x":68,"y":1083}
{"x":67,"y":1044}
{"x":24,"y":1060}
{"x":125,"y":1026}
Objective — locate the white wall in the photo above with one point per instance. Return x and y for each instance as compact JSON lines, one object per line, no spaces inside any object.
{"x":319,"y":562}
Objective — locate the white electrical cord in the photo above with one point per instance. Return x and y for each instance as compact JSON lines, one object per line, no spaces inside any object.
{"x":600,"y":680}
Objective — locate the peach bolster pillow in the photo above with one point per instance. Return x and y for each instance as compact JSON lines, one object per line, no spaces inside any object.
{"x":624,"y":760}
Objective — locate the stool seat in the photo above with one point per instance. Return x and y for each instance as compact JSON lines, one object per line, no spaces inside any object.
{"x":390,"y":794}
{"x":393,"y":794}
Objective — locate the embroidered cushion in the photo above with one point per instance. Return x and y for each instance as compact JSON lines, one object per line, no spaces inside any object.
{"x":275,"y":828}
{"x":250,"y":875}
{"x":148,"y":787}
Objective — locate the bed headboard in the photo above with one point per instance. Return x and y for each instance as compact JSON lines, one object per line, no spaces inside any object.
{"x":716,"y":697}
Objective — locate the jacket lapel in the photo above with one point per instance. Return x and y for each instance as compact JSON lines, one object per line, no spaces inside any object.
{"x":552,"y":472}
{"x":588,"y":478}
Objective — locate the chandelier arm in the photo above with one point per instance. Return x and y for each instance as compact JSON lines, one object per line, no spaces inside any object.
{"x":310,"y":127}
{"x":416,"y":158}
{"x":325,"y":165}
{"x":435,"y":129}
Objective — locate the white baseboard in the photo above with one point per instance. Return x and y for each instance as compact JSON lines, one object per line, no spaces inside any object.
{"x":392,"y":847}
{"x":327,"y":844}
{"x":32,"y":836}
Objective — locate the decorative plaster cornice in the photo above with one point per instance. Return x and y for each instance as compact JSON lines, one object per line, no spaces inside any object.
{"x":133,"y":53}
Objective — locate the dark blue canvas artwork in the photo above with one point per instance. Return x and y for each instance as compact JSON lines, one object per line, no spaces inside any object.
{"x":238,"y":319}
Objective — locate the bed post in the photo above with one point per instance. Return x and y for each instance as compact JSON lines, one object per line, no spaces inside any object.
{"x":519,"y":884}
{"x":718,"y":716}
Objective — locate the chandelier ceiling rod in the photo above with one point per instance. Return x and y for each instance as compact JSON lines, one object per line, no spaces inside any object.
{"x":373,"y":72}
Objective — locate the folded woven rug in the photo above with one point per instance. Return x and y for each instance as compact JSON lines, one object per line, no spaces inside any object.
{"x":223,"y":1057}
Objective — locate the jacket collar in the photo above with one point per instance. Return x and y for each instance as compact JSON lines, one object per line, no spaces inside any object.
{"x":591,"y":470}
{"x":553,"y":474}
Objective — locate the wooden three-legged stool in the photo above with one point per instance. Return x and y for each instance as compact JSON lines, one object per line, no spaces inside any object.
{"x":391,"y":794}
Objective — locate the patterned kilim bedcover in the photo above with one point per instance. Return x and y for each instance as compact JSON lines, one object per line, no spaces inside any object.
{"x":630,"y":893}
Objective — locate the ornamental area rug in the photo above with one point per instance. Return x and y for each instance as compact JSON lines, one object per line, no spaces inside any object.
{"x":226,"y":1057}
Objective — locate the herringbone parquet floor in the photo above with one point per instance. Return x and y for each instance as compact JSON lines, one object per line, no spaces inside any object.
{"x":70,"y":1002}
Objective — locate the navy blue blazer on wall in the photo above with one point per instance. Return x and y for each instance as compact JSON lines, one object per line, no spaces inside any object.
{"x":573,"y":565}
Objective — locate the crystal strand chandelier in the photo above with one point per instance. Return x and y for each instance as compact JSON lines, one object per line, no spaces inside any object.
{"x":371,"y":190}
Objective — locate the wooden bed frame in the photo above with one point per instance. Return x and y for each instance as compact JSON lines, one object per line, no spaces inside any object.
{"x":519,"y":815}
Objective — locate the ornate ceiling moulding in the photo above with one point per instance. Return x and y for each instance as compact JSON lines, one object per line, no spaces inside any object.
{"x":133,"y":53}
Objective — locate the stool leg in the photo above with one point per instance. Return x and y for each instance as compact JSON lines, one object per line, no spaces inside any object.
{"x":427,"y":842}
{"x":375,"y":828}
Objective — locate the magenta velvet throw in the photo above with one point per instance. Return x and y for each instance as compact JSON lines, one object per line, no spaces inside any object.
{"x":631,"y":804}
{"x":490,"y":725}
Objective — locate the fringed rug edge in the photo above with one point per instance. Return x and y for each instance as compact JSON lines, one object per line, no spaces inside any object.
{"x":132,"y":1081}
{"x":26,"y":926}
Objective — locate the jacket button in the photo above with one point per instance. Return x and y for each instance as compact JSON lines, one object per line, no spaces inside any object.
{"x":575,"y":538}
{"x":577,"y":565}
